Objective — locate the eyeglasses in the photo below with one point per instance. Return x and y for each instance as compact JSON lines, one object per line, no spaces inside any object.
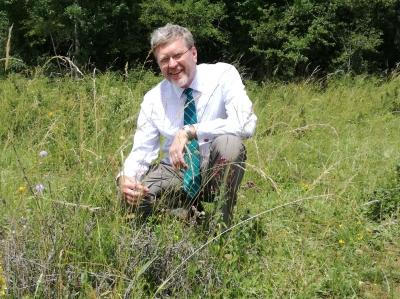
{"x":175,"y":57}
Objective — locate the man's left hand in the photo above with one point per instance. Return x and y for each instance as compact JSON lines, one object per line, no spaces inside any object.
{"x":177,"y":150}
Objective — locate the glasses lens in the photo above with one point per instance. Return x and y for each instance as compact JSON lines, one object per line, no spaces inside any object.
{"x":175,"y":57}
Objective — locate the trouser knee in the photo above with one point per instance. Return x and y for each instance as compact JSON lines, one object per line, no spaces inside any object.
{"x":229,"y":148}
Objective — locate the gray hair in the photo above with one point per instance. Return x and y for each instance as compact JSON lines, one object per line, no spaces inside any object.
{"x":168,"y":33}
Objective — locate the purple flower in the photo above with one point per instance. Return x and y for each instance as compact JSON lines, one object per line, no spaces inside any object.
{"x":39,"y":188}
{"x":43,"y":154}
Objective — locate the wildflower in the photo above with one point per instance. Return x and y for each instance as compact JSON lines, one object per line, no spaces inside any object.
{"x":305,"y":186}
{"x":39,"y":188}
{"x":43,"y":154}
{"x":21,"y":189}
{"x":341,"y":242}
{"x":50,"y":114}
{"x":340,"y":225}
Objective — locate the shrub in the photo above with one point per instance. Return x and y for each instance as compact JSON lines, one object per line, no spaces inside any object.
{"x":384,"y":202}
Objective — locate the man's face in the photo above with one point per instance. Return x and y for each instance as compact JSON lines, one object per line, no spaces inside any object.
{"x":177,"y":62}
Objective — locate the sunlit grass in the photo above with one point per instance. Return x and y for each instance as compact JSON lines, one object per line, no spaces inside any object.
{"x":320,"y":151}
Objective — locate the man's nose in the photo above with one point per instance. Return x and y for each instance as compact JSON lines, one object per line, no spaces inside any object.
{"x":172,"y":62}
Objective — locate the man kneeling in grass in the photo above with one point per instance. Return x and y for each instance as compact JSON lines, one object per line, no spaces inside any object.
{"x":203,"y":113}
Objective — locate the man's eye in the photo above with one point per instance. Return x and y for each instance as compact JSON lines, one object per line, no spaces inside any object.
{"x":177,"y":56}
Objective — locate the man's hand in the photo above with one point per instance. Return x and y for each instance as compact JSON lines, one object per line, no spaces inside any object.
{"x":177,"y":149}
{"x":132,"y":191}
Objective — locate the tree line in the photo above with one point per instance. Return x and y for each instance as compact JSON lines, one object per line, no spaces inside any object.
{"x":282,"y":39}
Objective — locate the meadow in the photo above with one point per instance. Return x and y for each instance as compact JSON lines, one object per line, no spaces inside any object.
{"x":317,"y":214}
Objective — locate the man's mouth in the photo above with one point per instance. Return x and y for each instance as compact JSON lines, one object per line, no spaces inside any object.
{"x":175,"y":74}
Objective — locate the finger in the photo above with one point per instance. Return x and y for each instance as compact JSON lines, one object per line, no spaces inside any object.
{"x":128,"y":191}
{"x":139,"y":191}
{"x":182,"y":161}
{"x":130,"y":185}
{"x":142,"y":189}
{"x":133,"y":199}
{"x":174,"y":160}
{"x":178,"y":165}
{"x":129,"y":200}
{"x":175,"y":166}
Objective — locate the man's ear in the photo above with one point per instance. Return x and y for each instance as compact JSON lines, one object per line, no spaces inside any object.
{"x":194,"y":53}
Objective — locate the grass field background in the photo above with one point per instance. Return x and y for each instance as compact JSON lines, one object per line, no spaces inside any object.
{"x":317,"y":214}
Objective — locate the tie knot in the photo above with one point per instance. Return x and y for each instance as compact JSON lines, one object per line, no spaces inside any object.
{"x":188,"y":92}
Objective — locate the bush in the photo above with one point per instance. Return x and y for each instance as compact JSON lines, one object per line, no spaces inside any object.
{"x":384,"y":202}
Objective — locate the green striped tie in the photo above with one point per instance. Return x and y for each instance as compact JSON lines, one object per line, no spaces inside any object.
{"x":191,"y":176}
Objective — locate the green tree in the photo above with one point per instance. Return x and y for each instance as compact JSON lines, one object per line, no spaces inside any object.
{"x":113,"y":34}
{"x":96,"y":32}
{"x":283,"y":39}
{"x":296,"y":37}
{"x":202,"y":17}
{"x":4,"y":24}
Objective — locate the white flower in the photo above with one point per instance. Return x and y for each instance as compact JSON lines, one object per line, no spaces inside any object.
{"x":43,"y":154}
{"x":39,"y":188}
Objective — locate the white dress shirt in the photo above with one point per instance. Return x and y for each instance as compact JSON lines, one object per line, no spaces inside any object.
{"x":222,"y":106}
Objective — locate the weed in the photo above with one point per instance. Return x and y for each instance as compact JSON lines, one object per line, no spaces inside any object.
{"x":301,"y":226}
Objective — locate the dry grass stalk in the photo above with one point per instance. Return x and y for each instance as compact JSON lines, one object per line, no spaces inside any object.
{"x":311,"y":126}
{"x":72,"y":65}
{"x":8,"y":47}
{"x":70,"y":204}
{"x":266,"y":177}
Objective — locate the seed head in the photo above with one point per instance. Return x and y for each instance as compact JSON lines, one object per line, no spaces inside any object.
{"x":43,"y":154}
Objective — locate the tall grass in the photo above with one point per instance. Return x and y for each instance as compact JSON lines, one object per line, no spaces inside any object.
{"x":303,"y":220}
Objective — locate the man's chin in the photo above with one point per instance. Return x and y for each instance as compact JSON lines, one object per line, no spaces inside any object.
{"x":181,"y":82}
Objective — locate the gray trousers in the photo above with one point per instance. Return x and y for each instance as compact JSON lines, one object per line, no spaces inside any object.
{"x":220,"y":180}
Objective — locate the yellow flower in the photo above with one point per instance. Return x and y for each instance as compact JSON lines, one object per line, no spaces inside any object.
{"x":341,"y":242}
{"x":3,"y":284}
{"x":21,"y":189}
{"x":340,"y":225}
{"x":305,"y":186}
{"x":50,"y":114}
{"x":360,"y":237}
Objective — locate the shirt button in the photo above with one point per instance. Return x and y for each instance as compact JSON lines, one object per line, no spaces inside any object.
{"x":206,"y":140}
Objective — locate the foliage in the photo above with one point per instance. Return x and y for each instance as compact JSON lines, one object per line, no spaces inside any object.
{"x":280,"y":39}
{"x":3,"y":33}
{"x":298,"y":37}
{"x":201,"y":17}
{"x":320,"y":147}
{"x":384,"y":202}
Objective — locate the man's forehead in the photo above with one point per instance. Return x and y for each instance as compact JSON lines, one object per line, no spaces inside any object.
{"x":174,"y":43}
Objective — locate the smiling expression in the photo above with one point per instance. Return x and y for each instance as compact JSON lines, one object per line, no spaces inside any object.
{"x":177,"y":62}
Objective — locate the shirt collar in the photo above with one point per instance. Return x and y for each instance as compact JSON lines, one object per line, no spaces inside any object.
{"x":198,"y":84}
{"x":177,"y":90}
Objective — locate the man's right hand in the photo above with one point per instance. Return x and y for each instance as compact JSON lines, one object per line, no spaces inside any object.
{"x":131,"y":190}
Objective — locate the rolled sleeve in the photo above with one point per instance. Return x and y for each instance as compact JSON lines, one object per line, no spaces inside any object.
{"x":146,"y":145}
{"x":240,"y":119}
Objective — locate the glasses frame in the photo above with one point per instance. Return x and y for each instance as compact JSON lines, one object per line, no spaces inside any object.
{"x":175,"y":57}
